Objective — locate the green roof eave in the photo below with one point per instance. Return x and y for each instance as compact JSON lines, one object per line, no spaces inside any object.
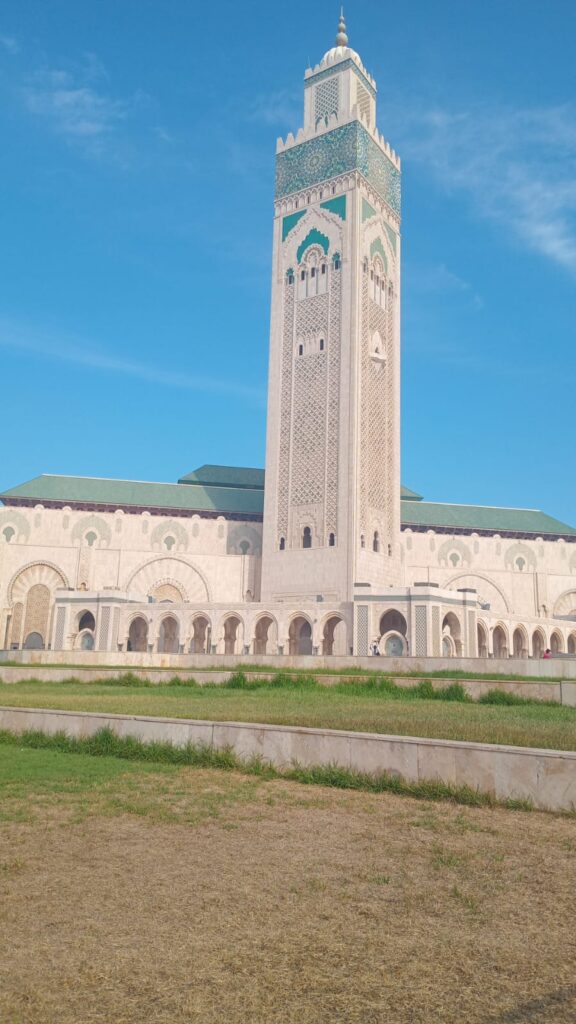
{"x":481,"y":518}
{"x":128,"y":494}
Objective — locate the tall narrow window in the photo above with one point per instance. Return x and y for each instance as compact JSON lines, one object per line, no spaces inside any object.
{"x":337,"y":262}
{"x":362,"y":541}
{"x":321,"y":344}
{"x":300,"y":350}
{"x":376,"y":541}
{"x":302,"y":275}
{"x":282,"y":544}
{"x":323,"y":268}
{"x":307,"y":537}
{"x":331,"y":540}
{"x":290,"y":277}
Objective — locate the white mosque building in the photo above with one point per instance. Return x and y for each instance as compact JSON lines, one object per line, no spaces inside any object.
{"x":325,"y":553}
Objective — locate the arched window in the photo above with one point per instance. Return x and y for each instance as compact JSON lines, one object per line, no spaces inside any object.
{"x":332,"y":540}
{"x":86,"y":622}
{"x":302,"y":275}
{"x":520,"y":563}
{"x":455,"y":559}
{"x":8,"y":534}
{"x":290,"y":276}
{"x":91,"y":538}
{"x":376,"y":541}
{"x":321,"y":344}
{"x":282,"y":544}
{"x":307,"y":537}
{"x":336,"y":261}
{"x":362,"y":541}
{"x":169,"y":543}
{"x":300,"y":350}
{"x":244,"y":546}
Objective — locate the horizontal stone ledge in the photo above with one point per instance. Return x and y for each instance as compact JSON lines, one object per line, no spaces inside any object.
{"x":545,"y":777}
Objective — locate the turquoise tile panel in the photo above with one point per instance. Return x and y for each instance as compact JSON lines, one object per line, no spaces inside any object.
{"x":290,"y":222}
{"x":336,"y":205}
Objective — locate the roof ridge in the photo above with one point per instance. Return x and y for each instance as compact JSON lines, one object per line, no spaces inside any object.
{"x":500,"y":508}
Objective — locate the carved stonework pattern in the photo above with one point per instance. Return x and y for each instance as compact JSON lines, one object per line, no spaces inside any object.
{"x":285,"y":410}
{"x":377,"y":477}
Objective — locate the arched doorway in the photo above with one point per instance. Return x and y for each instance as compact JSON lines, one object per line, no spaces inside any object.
{"x":538,"y":644}
{"x":519,"y":643}
{"x":300,"y":636}
{"x":232,"y":635}
{"x":334,"y":636}
{"x":200,"y":642}
{"x":265,"y":636}
{"x":87,"y":641}
{"x":168,"y":636}
{"x":482,"y":639}
{"x":556,"y":643}
{"x":393,"y":645}
{"x":36,"y":617}
{"x":138,"y":635}
{"x":451,"y":636}
{"x":499,"y":642}
{"x":34,"y":642}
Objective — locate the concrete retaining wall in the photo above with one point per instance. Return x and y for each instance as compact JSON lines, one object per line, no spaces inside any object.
{"x":562,"y":692}
{"x":546,"y":777}
{"x":555,"y":668}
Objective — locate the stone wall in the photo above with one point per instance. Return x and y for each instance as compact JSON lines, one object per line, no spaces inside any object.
{"x":545,"y":777}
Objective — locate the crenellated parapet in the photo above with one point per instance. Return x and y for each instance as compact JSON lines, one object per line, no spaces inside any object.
{"x":336,"y":121}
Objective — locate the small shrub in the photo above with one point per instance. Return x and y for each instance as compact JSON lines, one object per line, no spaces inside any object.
{"x":503,"y":697}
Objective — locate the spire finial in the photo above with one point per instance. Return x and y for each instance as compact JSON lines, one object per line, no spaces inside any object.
{"x":341,"y":38}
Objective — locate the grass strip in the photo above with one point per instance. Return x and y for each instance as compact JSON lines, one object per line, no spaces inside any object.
{"x":354,"y":670}
{"x":105,"y":743}
{"x":372,"y":686}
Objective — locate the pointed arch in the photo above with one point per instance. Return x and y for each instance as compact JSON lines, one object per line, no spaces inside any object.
{"x":174,"y":570}
{"x":488,"y":591}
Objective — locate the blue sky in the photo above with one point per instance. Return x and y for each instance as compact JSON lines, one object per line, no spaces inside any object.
{"x":136,"y":176}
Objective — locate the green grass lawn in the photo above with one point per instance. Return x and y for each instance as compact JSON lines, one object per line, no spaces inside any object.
{"x":358,"y":707}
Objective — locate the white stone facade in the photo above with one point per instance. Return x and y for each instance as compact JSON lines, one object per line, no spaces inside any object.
{"x":325,"y":567}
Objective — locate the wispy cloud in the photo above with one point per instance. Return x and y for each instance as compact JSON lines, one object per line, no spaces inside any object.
{"x":78,"y":106}
{"x":439,"y":280}
{"x":278,"y":109}
{"x":85,"y":354}
{"x":9,"y":43}
{"x":517,"y":167}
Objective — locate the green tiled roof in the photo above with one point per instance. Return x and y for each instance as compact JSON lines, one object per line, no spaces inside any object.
{"x":225,"y":476}
{"x":480,"y":517}
{"x":137,"y":494}
{"x":407,"y":495}
{"x":237,"y":492}
{"x":239,"y":476}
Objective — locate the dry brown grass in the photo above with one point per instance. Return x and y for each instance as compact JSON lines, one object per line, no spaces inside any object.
{"x":203,"y":896}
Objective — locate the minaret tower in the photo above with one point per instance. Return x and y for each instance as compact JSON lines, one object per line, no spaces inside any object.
{"x":332,"y":502}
